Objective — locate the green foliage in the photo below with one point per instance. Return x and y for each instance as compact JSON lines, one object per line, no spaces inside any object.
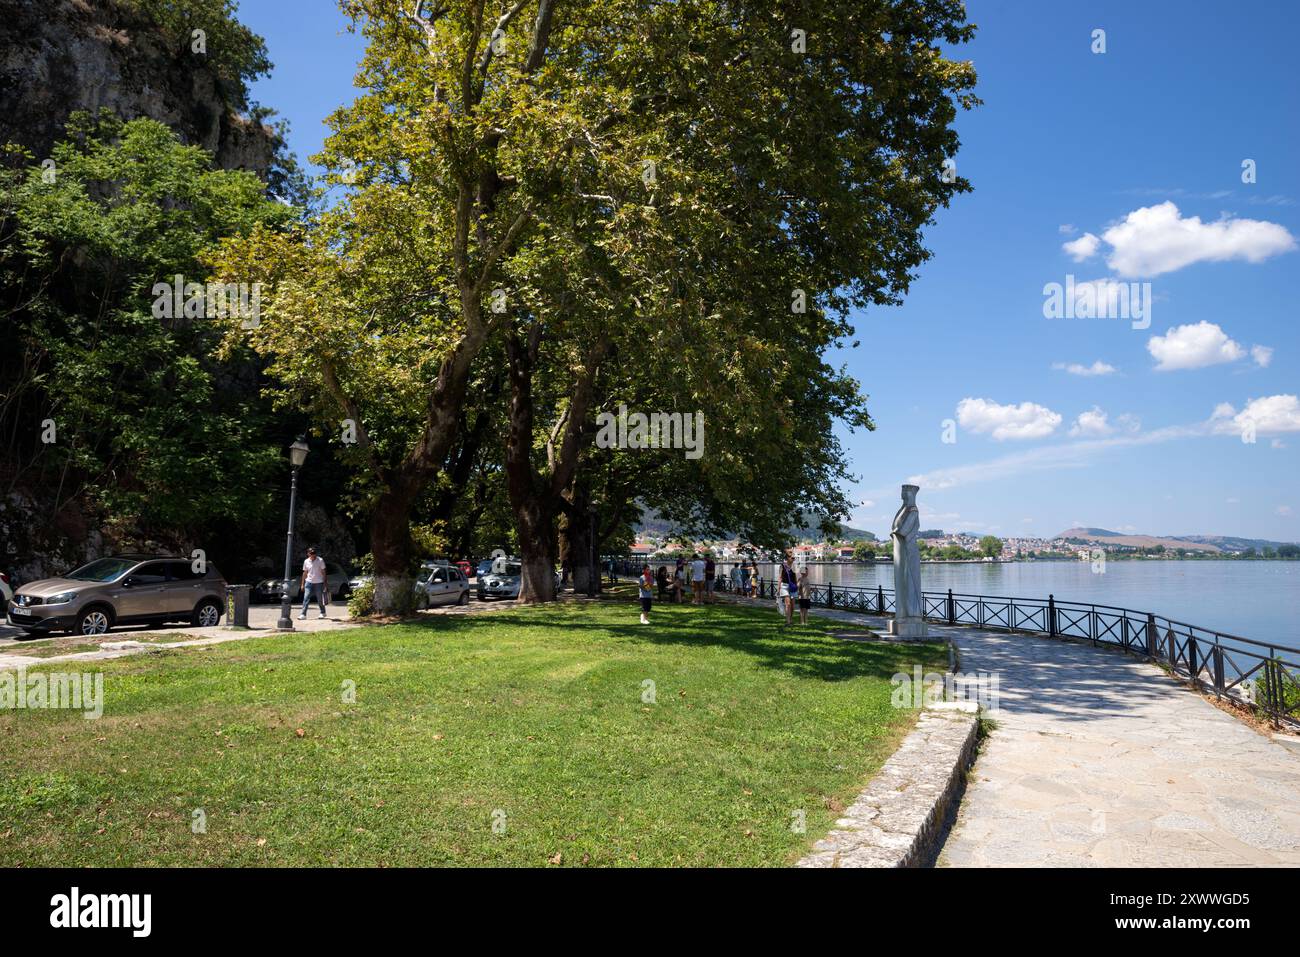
{"x":361,"y":600}
{"x":990,"y":546}
{"x":160,"y":436}
{"x":236,"y":54}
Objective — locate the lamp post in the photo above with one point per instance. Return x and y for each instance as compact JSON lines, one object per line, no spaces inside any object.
{"x":297,"y":456}
{"x":593,"y":570}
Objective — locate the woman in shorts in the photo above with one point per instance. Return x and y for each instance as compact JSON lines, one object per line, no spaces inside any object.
{"x":805,"y":596}
{"x":647,"y":584}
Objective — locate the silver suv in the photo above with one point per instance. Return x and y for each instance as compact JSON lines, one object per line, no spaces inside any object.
{"x":125,"y":590}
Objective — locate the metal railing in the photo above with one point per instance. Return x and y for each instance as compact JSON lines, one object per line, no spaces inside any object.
{"x":1261,"y":674}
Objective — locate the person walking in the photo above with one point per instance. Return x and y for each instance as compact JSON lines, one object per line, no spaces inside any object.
{"x":805,"y":596}
{"x":710,"y":572}
{"x":646,"y":588}
{"x":661,"y":579}
{"x":313,"y":583}
{"x":745,"y":577}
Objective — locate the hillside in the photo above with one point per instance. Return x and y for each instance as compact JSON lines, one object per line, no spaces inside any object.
{"x":1205,"y":543}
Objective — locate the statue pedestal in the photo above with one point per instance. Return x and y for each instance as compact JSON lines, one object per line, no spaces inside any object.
{"x":908,"y":627}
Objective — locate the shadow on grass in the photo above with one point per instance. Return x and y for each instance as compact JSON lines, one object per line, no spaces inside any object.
{"x":800,"y":651}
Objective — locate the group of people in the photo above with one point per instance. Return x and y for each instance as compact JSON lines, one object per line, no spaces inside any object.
{"x":699,"y":576}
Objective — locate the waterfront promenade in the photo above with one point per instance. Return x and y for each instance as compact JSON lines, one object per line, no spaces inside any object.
{"x":1099,"y":759}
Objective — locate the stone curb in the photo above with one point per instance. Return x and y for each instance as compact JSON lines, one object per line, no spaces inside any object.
{"x":897,"y":820}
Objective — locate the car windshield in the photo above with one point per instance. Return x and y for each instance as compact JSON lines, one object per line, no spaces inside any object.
{"x":102,"y":570}
{"x":511,"y":570}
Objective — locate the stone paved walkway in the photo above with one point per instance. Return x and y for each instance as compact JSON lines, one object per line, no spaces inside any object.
{"x":1101,"y":760}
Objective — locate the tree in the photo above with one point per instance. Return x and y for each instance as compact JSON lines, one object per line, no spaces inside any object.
{"x":990,"y":546}
{"x":547,"y":172}
{"x":148,"y":431}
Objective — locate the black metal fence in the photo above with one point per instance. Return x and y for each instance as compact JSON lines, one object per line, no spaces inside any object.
{"x":1259,"y":673}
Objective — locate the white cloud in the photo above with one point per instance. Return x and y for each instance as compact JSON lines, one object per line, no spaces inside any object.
{"x":1262,"y":355}
{"x":1158,"y":239}
{"x":1066,"y":229}
{"x":1077,"y":454}
{"x":1091,"y":424}
{"x":1076,"y":368}
{"x":1193,"y":347}
{"x":1085,"y":247}
{"x":1284,"y":511}
{"x":1024,"y":421}
{"x":1128,"y":422}
{"x":1270,"y":415}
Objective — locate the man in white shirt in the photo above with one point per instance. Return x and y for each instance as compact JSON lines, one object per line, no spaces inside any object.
{"x":697,"y":580}
{"x":313,"y":582}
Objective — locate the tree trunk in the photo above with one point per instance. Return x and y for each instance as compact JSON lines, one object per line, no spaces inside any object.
{"x":534,"y":516}
{"x":575,"y":542}
{"x":390,"y":546}
{"x":536,"y":529}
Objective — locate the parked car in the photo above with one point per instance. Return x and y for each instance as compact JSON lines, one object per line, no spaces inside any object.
{"x":503,"y":581}
{"x":441,"y":585}
{"x":122,"y":590}
{"x":6,"y":589}
{"x":337,"y":581}
{"x":483,"y":568}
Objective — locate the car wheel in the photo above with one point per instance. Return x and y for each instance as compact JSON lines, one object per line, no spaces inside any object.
{"x":207,"y":614}
{"x":95,"y":620}
{"x":464,"y":598}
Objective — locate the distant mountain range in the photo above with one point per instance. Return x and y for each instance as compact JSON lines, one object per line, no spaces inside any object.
{"x":1206,"y":543}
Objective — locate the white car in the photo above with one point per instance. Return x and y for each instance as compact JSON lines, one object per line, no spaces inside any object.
{"x":504,"y":580}
{"x":441,"y":585}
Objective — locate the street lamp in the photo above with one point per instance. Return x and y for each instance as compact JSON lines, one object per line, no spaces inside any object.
{"x":297,"y":456}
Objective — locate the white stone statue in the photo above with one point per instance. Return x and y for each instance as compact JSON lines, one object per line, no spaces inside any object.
{"x":909,"y":613}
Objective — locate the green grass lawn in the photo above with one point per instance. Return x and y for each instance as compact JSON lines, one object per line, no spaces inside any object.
{"x":532,"y":717}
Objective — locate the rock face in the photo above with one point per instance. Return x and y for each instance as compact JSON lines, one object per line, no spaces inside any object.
{"x":58,"y":56}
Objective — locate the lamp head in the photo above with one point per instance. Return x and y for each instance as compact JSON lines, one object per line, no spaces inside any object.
{"x":298,"y":452}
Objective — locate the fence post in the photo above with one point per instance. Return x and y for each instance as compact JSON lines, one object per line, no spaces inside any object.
{"x":1051,"y":616}
{"x":1218,"y":669}
{"x":830,"y":595}
{"x":952,"y":614}
{"x":1172,"y":647}
{"x":1191,"y":657}
{"x":880,"y":599}
{"x":1123,"y":630}
{"x":1151,"y":636}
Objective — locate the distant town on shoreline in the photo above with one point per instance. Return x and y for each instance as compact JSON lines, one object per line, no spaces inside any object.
{"x":857,"y":545}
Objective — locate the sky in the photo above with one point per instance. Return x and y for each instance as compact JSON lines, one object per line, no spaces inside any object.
{"x":1121,"y":168}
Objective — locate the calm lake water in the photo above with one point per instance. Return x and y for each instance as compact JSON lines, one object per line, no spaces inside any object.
{"x":1253,"y":599}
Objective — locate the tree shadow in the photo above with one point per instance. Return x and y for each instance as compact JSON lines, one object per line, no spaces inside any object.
{"x":804,"y":652}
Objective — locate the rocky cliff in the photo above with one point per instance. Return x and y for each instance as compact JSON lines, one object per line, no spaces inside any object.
{"x":57,"y":56}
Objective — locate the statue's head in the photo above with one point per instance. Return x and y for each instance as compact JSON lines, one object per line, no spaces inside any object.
{"x":909,"y":494}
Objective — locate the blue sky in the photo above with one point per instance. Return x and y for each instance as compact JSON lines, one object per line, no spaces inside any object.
{"x":1134,"y":156}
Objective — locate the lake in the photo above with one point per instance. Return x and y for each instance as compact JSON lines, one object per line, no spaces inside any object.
{"x":1253,"y":599}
